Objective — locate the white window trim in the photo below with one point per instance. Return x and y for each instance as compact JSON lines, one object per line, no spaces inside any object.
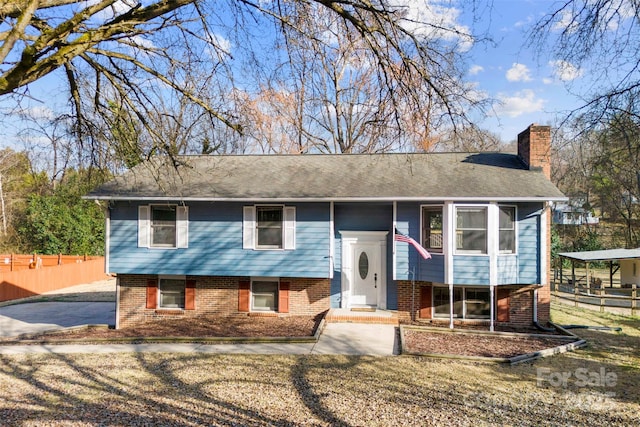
{"x":159,"y":293}
{"x":250,"y":228}
{"x":488,"y":232}
{"x":444,"y":231}
{"x":264,"y":279}
{"x":144,"y":227}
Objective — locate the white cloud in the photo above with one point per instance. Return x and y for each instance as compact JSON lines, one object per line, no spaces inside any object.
{"x":565,"y":71}
{"x":141,"y":41}
{"x":518,"y":73}
{"x":39,"y":112}
{"x":547,"y":81}
{"x":222,"y":43}
{"x":566,"y":23}
{"x":427,"y":18}
{"x":475,"y":70}
{"x":522,"y":102}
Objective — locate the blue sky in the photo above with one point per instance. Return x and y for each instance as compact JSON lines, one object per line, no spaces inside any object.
{"x":531,"y":87}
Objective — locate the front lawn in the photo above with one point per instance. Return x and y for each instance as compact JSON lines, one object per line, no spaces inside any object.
{"x":597,"y":385}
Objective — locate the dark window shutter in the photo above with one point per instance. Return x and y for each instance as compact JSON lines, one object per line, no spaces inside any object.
{"x":503,"y":305}
{"x":425,"y":302}
{"x":283,"y":297}
{"x":190,"y":295}
{"x":244,"y":287}
{"x":152,"y":293}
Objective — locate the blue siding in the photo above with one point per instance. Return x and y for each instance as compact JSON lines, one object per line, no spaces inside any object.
{"x":470,"y":270}
{"x":507,"y":269}
{"x":362,"y":217}
{"x":215,"y":245}
{"x":408,"y":261}
{"x":529,"y":243}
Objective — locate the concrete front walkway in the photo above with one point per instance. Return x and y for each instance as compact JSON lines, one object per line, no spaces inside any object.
{"x":337,"y":338}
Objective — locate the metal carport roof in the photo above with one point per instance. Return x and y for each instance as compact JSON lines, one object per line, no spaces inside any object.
{"x":603,"y":255}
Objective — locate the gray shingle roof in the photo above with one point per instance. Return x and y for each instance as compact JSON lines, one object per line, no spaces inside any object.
{"x":432,"y":176}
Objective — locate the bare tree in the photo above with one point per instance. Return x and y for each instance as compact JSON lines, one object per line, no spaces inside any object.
{"x":600,"y":41}
{"x":126,"y":54}
{"x":468,"y":139}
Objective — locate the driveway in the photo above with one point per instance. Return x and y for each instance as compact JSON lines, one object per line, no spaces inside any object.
{"x":29,"y":318}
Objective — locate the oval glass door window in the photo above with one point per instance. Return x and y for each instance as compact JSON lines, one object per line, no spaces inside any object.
{"x":363,"y":265}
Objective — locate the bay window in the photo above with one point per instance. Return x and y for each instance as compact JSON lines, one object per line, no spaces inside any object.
{"x":471,"y":230}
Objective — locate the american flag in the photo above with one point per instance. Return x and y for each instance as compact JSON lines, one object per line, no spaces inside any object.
{"x":399,"y":237}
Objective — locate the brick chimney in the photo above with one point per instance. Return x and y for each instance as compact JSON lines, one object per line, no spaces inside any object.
{"x":534,"y":148}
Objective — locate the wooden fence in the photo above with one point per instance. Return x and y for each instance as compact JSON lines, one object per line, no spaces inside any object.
{"x":619,"y":300}
{"x":16,"y":262}
{"x":23,"y":276}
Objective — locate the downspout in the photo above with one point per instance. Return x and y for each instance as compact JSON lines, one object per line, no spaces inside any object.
{"x":117,"y":325}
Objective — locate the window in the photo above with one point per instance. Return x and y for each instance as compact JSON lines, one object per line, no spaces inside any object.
{"x":264,"y":295}
{"x":269,"y":227}
{"x":507,"y":229}
{"x":172,"y":292}
{"x":468,"y":303}
{"x":471,"y":230}
{"x":477,"y":303}
{"x":441,"y":302}
{"x":163,"y":226}
{"x":432,"y":228}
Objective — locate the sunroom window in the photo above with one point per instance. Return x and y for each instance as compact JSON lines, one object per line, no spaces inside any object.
{"x":507,"y":229}
{"x":432,"y":228}
{"x":471,"y":230}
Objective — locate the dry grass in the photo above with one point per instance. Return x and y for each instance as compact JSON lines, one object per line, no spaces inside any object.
{"x":199,"y":389}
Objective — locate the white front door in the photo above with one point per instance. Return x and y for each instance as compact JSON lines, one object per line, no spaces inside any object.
{"x":366,"y":274}
{"x":364,"y":269}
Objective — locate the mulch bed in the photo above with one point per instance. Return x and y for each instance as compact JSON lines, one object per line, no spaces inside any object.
{"x":475,"y":345}
{"x":201,"y":327}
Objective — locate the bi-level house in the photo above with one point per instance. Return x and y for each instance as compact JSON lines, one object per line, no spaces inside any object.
{"x":301,"y":234}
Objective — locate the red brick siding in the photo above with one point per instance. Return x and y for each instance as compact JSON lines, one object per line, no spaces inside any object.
{"x":215,"y":296}
{"x":534,"y":148}
{"x":309,"y":296}
{"x":405,"y":299}
{"x":521,"y":307}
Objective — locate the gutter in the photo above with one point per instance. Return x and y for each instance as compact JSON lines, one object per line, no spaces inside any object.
{"x":323,"y":199}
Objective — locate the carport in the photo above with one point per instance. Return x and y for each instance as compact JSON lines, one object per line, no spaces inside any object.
{"x":609,"y":256}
